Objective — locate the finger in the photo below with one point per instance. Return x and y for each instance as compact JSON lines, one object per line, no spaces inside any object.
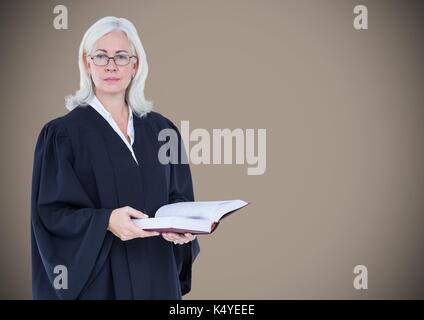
{"x":166,"y":236}
{"x":136,"y":213}
{"x":187,"y":237}
{"x":138,"y":232}
{"x":182,"y":240}
{"x":175,"y":238}
{"x":172,"y":236}
{"x":147,"y":233}
{"x":190,"y":236}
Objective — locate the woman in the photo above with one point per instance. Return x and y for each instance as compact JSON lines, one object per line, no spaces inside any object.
{"x":96,"y":168}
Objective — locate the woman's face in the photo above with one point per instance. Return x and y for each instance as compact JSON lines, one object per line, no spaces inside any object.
{"x":111,"y":76}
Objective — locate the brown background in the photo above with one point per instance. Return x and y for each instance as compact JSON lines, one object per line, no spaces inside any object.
{"x":344,"y":116}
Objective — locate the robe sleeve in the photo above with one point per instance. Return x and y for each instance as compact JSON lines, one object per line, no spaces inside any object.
{"x":181,"y":189}
{"x":67,"y":230}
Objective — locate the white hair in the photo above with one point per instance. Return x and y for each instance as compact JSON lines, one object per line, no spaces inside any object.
{"x":134,"y":94}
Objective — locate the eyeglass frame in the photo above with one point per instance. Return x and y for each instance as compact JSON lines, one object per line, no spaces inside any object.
{"x":113,"y":58}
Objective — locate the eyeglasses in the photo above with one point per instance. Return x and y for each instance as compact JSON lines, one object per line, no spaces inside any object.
{"x":102,"y":60}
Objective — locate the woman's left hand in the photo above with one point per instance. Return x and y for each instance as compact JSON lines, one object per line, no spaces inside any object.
{"x":178,"y":238}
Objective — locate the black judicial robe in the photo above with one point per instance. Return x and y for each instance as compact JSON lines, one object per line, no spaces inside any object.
{"x":82,"y":171}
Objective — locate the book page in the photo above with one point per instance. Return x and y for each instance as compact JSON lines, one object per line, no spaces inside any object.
{"x":209,"y":210}
{"x":195,"y":210}
{"x":228,"y":206}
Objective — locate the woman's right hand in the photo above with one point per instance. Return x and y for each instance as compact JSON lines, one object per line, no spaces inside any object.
{"x":120,"y":224}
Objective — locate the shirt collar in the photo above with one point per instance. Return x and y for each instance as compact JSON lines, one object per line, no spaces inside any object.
{"x":98,"y":106}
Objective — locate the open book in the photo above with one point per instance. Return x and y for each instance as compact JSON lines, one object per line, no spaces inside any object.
{"x":198,"y":217}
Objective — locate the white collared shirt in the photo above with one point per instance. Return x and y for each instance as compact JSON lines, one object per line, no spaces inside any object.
{"x":98,"y":106}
